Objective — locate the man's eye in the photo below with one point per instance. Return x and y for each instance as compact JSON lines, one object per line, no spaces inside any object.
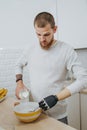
{"x":38,"y":34}
{"x":46,"y":34}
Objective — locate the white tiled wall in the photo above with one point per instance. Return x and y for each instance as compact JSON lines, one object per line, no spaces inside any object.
{"x":8,"y":58}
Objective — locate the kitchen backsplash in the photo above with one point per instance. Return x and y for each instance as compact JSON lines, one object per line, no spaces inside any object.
{"x":8,"y":59}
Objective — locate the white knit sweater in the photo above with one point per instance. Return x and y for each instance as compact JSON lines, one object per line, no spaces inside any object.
{"x":48,"y":70}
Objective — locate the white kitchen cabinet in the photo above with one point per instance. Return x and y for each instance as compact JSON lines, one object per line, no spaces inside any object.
{"x":83,"y":99}
{"x":77,"y":110}
{"x":74,"y":111}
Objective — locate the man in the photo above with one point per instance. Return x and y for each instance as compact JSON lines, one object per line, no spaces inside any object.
{"x":49,"y":61}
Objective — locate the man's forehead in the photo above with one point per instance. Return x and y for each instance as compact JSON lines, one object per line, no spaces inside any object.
{"x":43,"y":32}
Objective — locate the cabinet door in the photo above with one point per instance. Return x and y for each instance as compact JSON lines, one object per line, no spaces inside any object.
{"x":74,"y":111}
{"x":83,"y":111}
{"x":16,"y":21}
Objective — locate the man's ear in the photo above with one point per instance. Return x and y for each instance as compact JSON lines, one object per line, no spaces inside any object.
{"x":55,"y":29}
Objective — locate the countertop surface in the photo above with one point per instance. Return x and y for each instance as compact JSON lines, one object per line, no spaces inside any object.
{"x":8,"y":120}
{"x":84,"y":91}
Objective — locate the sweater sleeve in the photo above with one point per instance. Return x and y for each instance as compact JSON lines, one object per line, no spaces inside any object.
{"x":21,"y":62}
{"x":79,"y":73}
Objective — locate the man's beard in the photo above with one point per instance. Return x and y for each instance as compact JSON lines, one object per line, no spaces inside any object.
{"x":48,"y":45}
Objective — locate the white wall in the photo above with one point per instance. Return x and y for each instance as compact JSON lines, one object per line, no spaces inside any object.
{"x":16,"y":21}
{"x":8,"y":59}
{"x":72,"y":21}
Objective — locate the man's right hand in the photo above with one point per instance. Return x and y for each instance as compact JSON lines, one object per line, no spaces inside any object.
{"x":20,"y":86}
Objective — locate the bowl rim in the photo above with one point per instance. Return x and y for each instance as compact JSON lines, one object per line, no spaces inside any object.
{"x":30,"y":113}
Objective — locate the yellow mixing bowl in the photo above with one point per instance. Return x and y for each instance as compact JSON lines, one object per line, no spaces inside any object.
{"x":27,"y":111}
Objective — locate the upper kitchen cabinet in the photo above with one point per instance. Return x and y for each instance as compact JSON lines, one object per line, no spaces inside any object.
{"x":16,"y":21}
{"x":72,"y":21}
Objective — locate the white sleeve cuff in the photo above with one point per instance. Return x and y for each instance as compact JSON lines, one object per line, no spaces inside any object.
{"x":77,"y":86}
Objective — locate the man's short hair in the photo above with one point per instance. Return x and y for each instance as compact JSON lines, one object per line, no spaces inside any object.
{"x":44,"y":18}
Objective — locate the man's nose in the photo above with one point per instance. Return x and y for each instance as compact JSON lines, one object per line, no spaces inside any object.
{"x":42,"y":38}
